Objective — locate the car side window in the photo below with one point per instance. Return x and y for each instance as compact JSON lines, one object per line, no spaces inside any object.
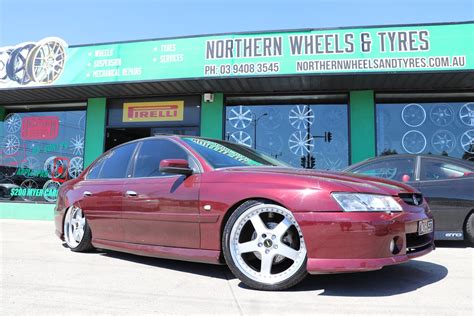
{"x":432,"y":169}
{"x":115,"y":164}
{"x":399,"y":169}
{"x":152,"y":152}
{"x":95,"y":169}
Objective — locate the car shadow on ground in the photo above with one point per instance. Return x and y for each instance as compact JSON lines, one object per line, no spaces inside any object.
{"x":391,"y":280}
{"x":452,"y":244}
{"x":209,"y":270}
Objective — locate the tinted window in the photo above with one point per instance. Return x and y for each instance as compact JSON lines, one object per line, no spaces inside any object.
{"x":95,"y":170}
{"x":401,"y":169}
{"x":438,"y":170}
{"x":116,"y":163}
{"x":152,"y":152}
{"x":224,"y":154}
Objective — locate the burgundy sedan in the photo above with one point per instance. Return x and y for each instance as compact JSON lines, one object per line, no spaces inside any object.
{"x":211,"y":201}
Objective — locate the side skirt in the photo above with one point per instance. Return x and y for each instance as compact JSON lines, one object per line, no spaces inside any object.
{"x":185,"y":254}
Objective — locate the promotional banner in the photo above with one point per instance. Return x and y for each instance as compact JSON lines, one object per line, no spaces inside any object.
{"x":358,"y":50}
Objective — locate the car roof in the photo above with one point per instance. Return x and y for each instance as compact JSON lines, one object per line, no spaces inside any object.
{"x":387,"y":157}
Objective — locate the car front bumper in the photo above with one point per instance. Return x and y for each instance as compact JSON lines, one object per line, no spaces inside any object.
{"x":349,"y":241}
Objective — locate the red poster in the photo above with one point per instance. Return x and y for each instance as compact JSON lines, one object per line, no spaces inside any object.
{"x":39,"y":127}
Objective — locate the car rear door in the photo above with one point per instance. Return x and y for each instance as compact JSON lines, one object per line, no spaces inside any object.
{"x":161,"y":209}
{"x":102,"y":192}
{"x":448,"y":189}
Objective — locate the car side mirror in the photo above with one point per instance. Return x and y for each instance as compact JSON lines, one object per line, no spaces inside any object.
{"x":176,"y":166}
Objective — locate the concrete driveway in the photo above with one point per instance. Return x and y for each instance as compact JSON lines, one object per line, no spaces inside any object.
{"x":40,"y":276}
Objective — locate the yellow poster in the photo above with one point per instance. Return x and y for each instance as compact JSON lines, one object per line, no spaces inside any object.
{"x":153,"y":111}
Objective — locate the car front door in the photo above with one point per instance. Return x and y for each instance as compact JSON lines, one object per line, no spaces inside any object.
{"x":161,"y":209}
{"x":102,"y":192}
{"x":448,"y":190}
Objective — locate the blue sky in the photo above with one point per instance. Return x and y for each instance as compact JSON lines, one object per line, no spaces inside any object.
{"x":95,"y":21}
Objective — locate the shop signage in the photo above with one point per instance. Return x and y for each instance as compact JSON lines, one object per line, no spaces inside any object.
{"x":421,"y":48}
{"x":41,"y":127}
{"x":153,"y":111}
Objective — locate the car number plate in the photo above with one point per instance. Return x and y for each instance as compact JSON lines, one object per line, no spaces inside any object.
{"x":425,"y":226}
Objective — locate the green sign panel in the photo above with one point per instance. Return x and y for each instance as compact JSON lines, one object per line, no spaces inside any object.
{"x":358,"y":50}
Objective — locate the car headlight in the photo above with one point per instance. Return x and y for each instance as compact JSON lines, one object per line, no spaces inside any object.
{"x":361,"y":202}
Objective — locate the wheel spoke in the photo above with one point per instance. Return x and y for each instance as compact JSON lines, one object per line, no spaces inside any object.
{"x":258,"y":224}
{"x":266,"y":267}
{"x":288,"y":252}
{"x":282,"y":227}
{"x":249,"y":246}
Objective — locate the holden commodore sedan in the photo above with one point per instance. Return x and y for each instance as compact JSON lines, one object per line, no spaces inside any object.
{"x":204,"y":200}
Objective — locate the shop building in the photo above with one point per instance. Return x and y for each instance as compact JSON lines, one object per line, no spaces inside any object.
{"x":313,"y":98}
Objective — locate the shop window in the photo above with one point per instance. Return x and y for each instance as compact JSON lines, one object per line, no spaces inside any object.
{"x":39,"y":151}
{"x":426,"y":128}
{"x":302,"y":135}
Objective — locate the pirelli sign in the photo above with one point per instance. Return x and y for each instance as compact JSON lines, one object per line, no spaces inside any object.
{"x":153,"y":111}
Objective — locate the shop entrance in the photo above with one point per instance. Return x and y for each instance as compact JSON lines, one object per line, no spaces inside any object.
{"x":117,"y":136}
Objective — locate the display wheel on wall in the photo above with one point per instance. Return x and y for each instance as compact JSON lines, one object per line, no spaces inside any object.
{"x":443,"y":141}
{"x":10,"y":145}
{"x":51,"y":185}
{"x":300,"y":143}
{"x":76,"y":166}
{"x":467,"y":141}
{"x":29,"y":184}
{"x":466,"y":114}
{"x":31,"y":163}
{"x":46,"y":61}
{"x":56,"y":168}
{"x":4,"y":56}
{"x":301,"y":116}
{"x":10,"y":166}
{"x":241,"y":138}
{"x":16,"y":65}
{"x":413,"y":115}
{"x":12,"y":123}
{"x":77,"y":145}
{"x":414,"y":142}
{"x":240,"y":117}
{"x":442,"y":115}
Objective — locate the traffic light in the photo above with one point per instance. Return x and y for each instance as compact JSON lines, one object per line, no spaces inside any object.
{"x":327,"y":137}
{"x":303,"y":162}
{"x":312,"y":162}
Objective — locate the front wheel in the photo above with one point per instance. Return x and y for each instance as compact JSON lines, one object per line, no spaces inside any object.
{"x":264,"y":247}
{"x":470,"y":229}
{"x":77,"y":232}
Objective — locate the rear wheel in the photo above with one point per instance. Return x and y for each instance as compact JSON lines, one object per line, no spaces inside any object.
{"x":264,"y":247}
{"x":77,"y":233}
{"x":470,"y":229}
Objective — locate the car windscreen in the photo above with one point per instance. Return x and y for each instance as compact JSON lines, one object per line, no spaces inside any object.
{"x":220,"y":154}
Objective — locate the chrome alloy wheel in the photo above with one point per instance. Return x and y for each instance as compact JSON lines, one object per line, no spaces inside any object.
{"x":74,"y":227}
{"x":266,"y":244}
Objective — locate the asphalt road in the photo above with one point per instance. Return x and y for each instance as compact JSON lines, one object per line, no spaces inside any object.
{"x":40,"y":276}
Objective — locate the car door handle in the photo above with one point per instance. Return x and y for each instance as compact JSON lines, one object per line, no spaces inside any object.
{"x":86,"y":193}
{"x":131,"y":193}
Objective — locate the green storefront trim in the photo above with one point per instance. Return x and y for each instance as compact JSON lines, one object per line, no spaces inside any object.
{"x":2,"y":113}
{"x":10,"y":210}
{"x":362,"y":125}
{"x":95,"y":129}
{"x":212,"y":117}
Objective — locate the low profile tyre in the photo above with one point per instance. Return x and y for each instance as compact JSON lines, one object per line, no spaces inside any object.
{"x":470,"y":229}
{"x":264,"y":247}
{"x":77,"y":232}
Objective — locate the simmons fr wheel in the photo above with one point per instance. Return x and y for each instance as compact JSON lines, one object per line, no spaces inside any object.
{"x":264,"y":247}
{"x":77,"y":233}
